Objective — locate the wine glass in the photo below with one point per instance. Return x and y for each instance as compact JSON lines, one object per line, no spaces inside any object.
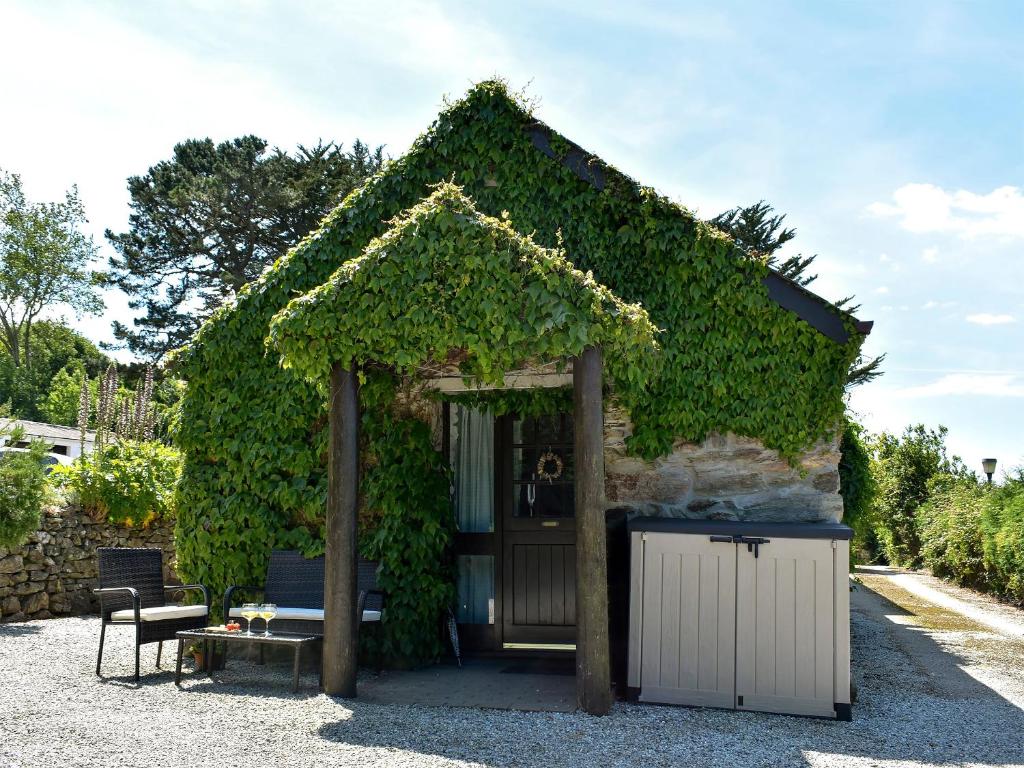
{"x":249,"y":612}
{"x":267,"y":612}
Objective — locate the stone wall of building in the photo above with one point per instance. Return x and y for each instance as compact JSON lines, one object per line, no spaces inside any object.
{"x":55,"y":572}
{"x":725,"y":477}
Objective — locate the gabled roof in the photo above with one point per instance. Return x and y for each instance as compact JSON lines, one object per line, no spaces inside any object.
{"x":744,"y":349}
{"x":447,"y":284}
{"x":820,"y":313}
{"x":50,"y":431}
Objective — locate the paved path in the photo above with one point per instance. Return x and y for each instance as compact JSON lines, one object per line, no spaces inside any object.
{"x":955,"y":637}
{"x":981,"y":609}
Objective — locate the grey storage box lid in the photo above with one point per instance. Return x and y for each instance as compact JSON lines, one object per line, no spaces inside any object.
{"x":787,"y":530}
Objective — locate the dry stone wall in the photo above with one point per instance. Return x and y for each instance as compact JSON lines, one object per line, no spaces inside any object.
{"x":55,"y":572}
{"x":725,"y":477}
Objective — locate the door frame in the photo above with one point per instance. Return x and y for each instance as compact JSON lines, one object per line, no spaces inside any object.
{"x":514,"y":530}
{"x":491,"y":637}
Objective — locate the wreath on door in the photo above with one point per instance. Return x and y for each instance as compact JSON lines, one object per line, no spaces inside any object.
{"x":549,"y":467}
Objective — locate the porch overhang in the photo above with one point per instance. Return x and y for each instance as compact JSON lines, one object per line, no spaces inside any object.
{"x":500,"y":313}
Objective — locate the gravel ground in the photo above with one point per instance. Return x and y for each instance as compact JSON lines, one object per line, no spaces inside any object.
{"x":929,"y":694}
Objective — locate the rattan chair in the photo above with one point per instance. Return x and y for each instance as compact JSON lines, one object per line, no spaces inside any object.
{"x":132,"y":593}
{"x":295,"y":584}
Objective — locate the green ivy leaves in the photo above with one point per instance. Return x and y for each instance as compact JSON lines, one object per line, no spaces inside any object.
{"x":446,"y":282}
{"x":730,"y":361}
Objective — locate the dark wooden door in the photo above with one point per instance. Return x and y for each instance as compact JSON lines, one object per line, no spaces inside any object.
{"x":538,"y":530}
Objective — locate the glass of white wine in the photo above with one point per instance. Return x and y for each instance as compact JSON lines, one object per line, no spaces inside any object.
{"x":249,"y":612}
{"x":267,"y":612}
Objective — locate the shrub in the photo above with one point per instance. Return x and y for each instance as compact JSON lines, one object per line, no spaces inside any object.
{"x":949,"y":528}
{"x":858,"y":487}
{"x":1002,"y":524}
{"x":23,"y":492}
{"x":903,"y":468}
{"x":125,"y":482}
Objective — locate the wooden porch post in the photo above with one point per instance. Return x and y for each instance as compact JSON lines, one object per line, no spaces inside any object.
{"x":593,"y":672}
{"x":340,"y":622}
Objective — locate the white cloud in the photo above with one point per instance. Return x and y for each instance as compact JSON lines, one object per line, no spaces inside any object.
{"x":927,"y":208}
{"x":884,"y":258}
{"x":930,"y":255}
{"x":972,"y":384}
{"x":882,"y":289}
{"x":987,"y":318}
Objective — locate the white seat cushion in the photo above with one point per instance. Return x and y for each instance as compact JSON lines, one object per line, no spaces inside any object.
{"x":160,"y":613}
{"x":308,"y":614}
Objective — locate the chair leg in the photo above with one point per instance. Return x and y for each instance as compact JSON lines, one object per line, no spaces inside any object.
{"x":159,"y":650}
{"x":138,"y":645}
{"x":99,"y":656}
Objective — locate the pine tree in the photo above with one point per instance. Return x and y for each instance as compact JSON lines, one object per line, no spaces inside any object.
{"x":212,"y":218}
{"x":759,"y":230}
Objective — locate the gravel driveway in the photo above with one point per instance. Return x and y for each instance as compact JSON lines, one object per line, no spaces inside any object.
{"x":933,"y":691}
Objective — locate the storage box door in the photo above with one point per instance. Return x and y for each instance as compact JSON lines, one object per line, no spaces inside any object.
{"x":784,"y":627}
{"x":689,"y":631}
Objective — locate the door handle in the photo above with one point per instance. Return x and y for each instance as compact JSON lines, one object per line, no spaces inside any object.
{"x":723,"y":539}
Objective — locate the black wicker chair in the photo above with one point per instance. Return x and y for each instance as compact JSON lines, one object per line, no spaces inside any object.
{"x":295,"y":584}
{"x":132,"y":593}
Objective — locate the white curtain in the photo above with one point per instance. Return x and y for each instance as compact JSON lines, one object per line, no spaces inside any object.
{"x":472,"y":446}
{"x":476,"y":589}
{"x":473,"y":462}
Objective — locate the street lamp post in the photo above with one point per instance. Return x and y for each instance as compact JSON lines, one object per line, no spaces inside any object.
{"x":989,"y":465}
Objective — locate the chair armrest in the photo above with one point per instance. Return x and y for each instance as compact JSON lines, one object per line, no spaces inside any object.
{"x":132,"y":592}
{"x":183,"y":587}
{"x":361,"y":604}
{"x":231,"y":591}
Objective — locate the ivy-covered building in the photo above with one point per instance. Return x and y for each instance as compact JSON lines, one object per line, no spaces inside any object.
{"x":460,"y":285}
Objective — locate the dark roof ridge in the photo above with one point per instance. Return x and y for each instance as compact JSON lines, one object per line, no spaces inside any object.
{"x":823,"y":315}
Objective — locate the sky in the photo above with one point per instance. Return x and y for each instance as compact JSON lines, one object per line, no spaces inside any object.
{"x":890,"y":134}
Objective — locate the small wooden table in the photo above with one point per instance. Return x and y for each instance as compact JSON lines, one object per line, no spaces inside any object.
{"x":210,"y":638}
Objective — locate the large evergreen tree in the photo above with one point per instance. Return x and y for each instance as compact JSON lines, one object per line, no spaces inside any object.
{"x":212,"y":218}
{"x":758,"y":229}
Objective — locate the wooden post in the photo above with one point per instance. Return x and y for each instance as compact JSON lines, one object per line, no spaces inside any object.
{"x":340,"y":622}
{"x":593,"y":671}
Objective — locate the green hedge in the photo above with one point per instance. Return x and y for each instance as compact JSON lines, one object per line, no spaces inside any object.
{"x":974,"y":534}
{"x":858,"y":487}
{"x":904,"y":468}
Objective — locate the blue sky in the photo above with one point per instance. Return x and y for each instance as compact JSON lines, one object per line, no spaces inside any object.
{"x":892,"y":134}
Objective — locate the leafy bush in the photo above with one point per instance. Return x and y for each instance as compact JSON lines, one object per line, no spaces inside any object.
{"x":903,"y":468}
{"x":1002,"y":524}
{"x":949,"y":528}
{"x":974,"y":534}
{"x":857,"y":486}
{"x":127,"y":482}
{"x":23,"y":490}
